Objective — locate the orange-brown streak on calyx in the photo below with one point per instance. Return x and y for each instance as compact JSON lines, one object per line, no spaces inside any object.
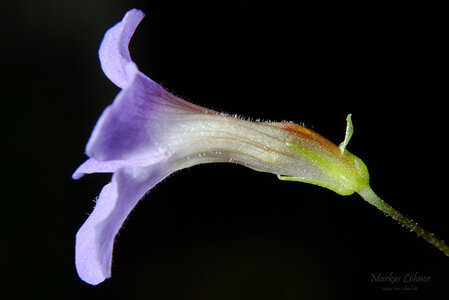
{"x":308,"y":134}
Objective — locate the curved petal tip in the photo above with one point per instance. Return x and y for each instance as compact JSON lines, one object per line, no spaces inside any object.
{"x":114,"y":53}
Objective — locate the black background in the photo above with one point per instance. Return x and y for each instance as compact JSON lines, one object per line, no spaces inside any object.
{"x":223,"y":231}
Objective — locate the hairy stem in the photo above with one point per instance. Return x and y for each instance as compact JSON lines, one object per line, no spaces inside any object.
{"x":369,"y":196}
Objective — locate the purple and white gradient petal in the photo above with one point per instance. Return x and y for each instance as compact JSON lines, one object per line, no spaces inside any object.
{"x":116,"y":146}
{"x":138,"y":138}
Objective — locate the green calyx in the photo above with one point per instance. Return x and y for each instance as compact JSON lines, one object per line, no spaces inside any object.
{"x":346,"y":173}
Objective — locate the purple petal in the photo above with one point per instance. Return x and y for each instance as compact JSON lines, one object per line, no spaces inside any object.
{"x":95,"y":239}
{"x":114,"y":53}
{"x":94,"y":166}
{"x":89,"y":266}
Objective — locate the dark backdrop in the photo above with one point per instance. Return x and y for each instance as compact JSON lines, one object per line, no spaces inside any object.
{"x":222,"y":231}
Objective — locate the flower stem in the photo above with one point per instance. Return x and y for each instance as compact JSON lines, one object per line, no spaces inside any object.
{"x":369,"y":196}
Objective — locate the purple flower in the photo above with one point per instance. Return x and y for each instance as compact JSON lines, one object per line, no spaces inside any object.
{"x":140,"y":138}
{"x":147,"y":134}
